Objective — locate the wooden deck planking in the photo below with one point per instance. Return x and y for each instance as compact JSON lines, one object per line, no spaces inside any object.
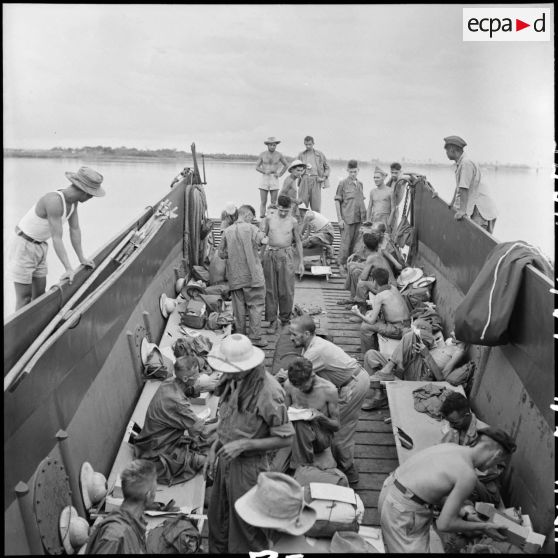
{"x":375,"y":450}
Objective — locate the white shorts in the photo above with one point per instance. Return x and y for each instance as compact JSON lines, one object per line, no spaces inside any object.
{"x":269,"y":182}
{"x":26,"y":260}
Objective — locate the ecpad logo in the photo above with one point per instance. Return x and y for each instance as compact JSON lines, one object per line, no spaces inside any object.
{"x":506,"y":24}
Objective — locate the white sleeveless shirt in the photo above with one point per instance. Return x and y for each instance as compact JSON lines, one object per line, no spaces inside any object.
{"x":38,"y":228}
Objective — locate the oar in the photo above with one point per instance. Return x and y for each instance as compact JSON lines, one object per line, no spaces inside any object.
{"x":60,"y":316}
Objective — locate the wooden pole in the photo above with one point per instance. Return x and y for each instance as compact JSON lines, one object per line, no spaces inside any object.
{"x":73,"y":474}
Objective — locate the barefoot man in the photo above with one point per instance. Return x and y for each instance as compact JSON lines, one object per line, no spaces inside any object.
{"x":279,"y":263}
{"x":268,"y":164}
{"x":439,"y":476}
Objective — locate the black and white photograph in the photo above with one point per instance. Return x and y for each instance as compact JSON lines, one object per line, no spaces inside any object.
{"x":279,"y":278}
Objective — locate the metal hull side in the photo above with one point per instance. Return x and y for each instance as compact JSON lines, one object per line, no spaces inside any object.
{"x":457,"y":255}
{"x":514,"y":383}
{"x":22,"y":327}
{"x":49,"y":397}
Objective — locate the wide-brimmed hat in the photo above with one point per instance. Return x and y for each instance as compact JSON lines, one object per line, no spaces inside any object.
{"x":409,"y":275}
{"x":424,"y":282}
{"x":167,"y":305}
{"x":271,"y":139}
{"x":235,"y":354}
{"x":93,"y":485}
{"x":179,"y":284}
{"x":146,"y":348}
{"x":296,"y":163}
{"x":74,"y":530}
{"x":88,"y":180}
{"x":276,"y":502}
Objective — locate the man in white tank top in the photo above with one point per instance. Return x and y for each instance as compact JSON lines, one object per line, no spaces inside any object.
{"x":27,"y":257}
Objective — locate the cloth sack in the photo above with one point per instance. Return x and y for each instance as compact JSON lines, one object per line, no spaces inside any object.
{"x":217,"y":320}
{"x":348,"y":542}
{"x":217,"y":269}
{"x":333,"y":515}
{"x":157,"y":366}
{"x":200,"y":273}
{"x":176,"y":535}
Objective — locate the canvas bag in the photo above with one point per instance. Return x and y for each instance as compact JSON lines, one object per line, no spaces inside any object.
{"x":333,"y":514}
{"x":176,"y":535}
{"x":195,"y":315}
{"x":157,"y":366}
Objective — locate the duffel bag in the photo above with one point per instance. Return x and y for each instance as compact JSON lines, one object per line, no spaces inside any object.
{"x":305,"y":474}
{"x":338,"y":508}
{"x":195,"y":314}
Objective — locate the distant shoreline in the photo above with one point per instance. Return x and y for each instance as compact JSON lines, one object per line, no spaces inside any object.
{"x":133,"y":154}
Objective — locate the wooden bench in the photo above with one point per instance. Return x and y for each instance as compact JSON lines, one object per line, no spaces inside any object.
{"x":189,"y":495}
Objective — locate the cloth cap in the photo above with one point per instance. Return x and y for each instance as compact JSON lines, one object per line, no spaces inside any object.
{"x":380,"y":171}
{"x":235,"y":354}
{"x":74,"y":530}
{"x":230,"y":208}
{"x":455,"y":140}
{"x":504,"y":439}
{"x":88,"y":180}
{"x":271,"y":139}
{"x":276,"y":502}
{"x":296,"y":163}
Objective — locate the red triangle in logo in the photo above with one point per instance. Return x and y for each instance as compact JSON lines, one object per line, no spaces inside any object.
{"x":519,"y":25}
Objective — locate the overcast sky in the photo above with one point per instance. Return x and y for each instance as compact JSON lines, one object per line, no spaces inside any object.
{"x":367,"y":81}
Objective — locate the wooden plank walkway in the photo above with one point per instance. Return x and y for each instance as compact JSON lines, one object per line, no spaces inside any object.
{"x":375,"y":451}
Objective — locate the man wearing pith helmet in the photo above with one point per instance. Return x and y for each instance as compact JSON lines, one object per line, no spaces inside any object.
{"x":27,"y":259}
{"x":471,"y":198}
{"x":253,"y":421}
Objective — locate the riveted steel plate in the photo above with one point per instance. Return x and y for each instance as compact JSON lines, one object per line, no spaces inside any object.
{"x":52,"y":494}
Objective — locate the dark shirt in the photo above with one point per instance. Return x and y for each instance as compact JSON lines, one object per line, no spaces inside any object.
{"x":351,"y":197}
{"x":119,"y":533}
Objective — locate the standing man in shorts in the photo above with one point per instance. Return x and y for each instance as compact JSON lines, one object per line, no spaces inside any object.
{"x":28,"y":251}
{"x":316,"y":177}
{"x":268,"y":164}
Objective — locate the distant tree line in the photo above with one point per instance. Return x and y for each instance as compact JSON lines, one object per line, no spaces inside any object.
{"x":101,"y":151}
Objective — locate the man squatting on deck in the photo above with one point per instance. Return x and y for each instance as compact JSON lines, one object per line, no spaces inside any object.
{"x":27,"y":259}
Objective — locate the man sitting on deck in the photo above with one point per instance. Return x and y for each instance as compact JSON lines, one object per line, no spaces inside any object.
{"x":163,"y":439}
{"x":442,"y":475}
{"x":305,"y":390}
{"x":123,"y":530}
{"x":239,"y":247}
{"x":390,"y":304}
{"x":463,"y":428}
{"x":375,"y":259}
{"x":351,"y":380}
{"x":279,"y":263}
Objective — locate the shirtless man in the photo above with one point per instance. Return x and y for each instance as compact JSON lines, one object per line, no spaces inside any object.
{"x":305,"y":390}
{"x":316,"y":230}
{"x":28,"y":250}
{"x":442,"y":475}
{"x":391,"y":304}
{"x":379,"y":206}
{"x":290,"y":186}
{"x":279,"y":263}
{"x":268,"y":164}
{"x":374,"y":259}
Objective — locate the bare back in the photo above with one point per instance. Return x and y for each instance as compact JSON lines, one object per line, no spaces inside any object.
{"x":394,"y":307}
{"x":434,"y":472}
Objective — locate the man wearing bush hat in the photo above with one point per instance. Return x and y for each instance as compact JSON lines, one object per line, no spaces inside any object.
{"x":253,"y":421}
{"x":471,"y":198}
{"x":27,"y":259}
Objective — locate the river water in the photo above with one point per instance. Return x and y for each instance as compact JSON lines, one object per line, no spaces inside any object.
{"x":524,"y":198}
